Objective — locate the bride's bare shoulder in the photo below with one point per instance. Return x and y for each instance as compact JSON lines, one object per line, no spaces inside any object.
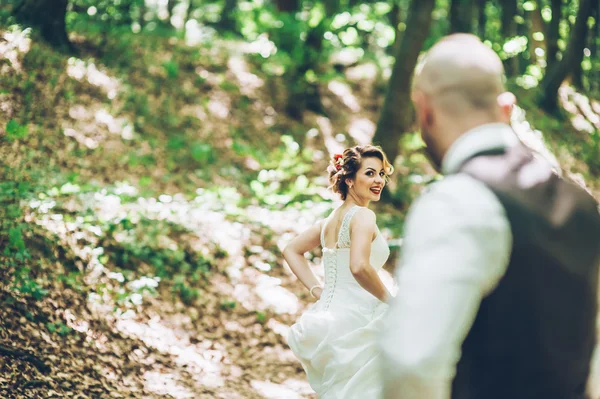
{"x":364,"y":217}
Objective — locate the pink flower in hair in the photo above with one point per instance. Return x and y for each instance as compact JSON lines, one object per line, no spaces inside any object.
{"x":338,"y":161}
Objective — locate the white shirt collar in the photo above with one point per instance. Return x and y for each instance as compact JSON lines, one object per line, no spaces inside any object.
{"x":491,"y":136}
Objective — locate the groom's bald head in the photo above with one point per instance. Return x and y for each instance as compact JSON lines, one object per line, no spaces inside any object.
{"x":461,"y":73}
{"x":457,"y":86}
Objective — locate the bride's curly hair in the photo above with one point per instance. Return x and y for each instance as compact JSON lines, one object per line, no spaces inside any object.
{"x":344,"y":166}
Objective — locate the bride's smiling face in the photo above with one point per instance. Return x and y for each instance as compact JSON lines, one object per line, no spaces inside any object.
{"x":369,"y":181}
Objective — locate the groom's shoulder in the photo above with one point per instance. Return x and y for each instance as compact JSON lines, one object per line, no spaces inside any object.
{"x":458,"y":188}
{"x":451,"y":183}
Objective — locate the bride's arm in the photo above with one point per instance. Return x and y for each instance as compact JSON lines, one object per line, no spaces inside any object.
{"x":294,"y":256}
{"x":362,"y":231}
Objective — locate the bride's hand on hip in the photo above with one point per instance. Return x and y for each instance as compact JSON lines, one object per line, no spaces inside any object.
{"x":316,"y":292}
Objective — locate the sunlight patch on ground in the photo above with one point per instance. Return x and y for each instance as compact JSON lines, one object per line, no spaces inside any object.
{"x":276,"y":297}
{"x":585,"y":117}
{"x":248,"y":81}
{"x":347,"y":56}
{"x":344,"y":93}
{"x":360,"y":72}
{"x":79,"y":70}
{"x":218,"y":105}
{"x":534,"y":139}
{"x":94,"y":124}
{"x":81,"y":138}
{"x":264,"y":293}
{"x":197,"y":34}
{"x":581,"y":123}
{"x":326,"y":129}
{"x":278,"y":327}
{"x":280,"y":221}
{"x":197,"y":111}
{"x":291,"y":389}
{"x":262,"y":45}
{"x":12,"y":45}
{"x":362,"y":130}
{"x":166,"y":384}
{"x":204,"y":360}
{"x":118,"y":126}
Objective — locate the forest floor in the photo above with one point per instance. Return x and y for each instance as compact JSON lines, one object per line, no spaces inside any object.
{"x":162,"y":182}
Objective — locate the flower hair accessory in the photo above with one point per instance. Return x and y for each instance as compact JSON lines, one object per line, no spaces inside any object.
{"x":336,"y":163}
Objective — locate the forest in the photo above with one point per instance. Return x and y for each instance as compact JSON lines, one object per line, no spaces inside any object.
{"x":156,"y":156}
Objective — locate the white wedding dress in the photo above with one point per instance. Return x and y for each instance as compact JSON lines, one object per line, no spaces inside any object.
{"x":336,"y":338}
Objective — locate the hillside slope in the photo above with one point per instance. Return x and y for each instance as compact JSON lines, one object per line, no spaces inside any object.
{"x":148,"y":188}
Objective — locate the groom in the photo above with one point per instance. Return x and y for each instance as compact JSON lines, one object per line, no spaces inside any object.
{"x":497,"y":288}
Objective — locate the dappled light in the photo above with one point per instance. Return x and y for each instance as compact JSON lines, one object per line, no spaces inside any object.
{"x":159,"y":155}
{"x":13,"y":45}
{"x":276,"y":391}
{"x":332,"y":143}
{"x":362,"y":130}
{"x":80,"y":70}
{"x":344,"y":92}
{"x":248,"y":81}
{"x":531,"y":137}
{"x":166,"y":384}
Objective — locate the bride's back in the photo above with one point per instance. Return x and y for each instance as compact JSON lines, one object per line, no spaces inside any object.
{"x":332,"y":226}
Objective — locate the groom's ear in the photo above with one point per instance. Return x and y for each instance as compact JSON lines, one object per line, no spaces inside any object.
{"x":421,"y":107}
{"x":506,"y":102}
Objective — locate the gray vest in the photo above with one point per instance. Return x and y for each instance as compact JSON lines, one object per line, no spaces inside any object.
{"x":534,"y":335}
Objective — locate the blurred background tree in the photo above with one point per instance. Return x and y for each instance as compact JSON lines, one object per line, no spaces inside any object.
{"x":169,"y":148}
{"x":551,"y":39}
{"x":306,"y":44}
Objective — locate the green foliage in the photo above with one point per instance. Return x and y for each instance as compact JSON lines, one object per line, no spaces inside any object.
{"x":15,"y":254}
{"x":202,"y":153}
{"x":27,"y":285}
{"x":15,"y":131}
{"x":109,"y":12}
{"x":72,"y":280}
{"x":283,"y":179}
{"x":228,"y":304}
{"x":184,"y":290}
{"x":150,"y":242}
{"x":171,"y":68}
{"x":405,"y":187}
{"x":591,"y":152}
{"x":261,"y":317}
{"x":59,"y":327}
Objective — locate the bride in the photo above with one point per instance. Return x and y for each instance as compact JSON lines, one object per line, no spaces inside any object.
{"x":335,"y":339}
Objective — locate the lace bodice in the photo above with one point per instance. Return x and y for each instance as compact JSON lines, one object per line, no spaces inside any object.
{"x":338,"y":276}
{"x":344,"y":234}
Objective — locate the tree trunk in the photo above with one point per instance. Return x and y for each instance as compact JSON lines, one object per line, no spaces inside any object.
{"x":553,"y":34}
{"x":461,"y":16}
{"x":142,"y":10}
{"x":481,"y":19}
{"x":170,"y":7}
{"x":577,"y":74}
{"x":509,"y":31}
{"x":396,"y":115}
{"x":189,"y":10}
{"x":227,"y":21}
{"x":126,"y":18}
{"x":561,"y":69}
{"x":288,"y":5}
{"x":536,"y":24}
{"x":395,"y":18}
{"x":595,"y":49}
{"x":49,"y":17}
{"x":591,"y":39}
